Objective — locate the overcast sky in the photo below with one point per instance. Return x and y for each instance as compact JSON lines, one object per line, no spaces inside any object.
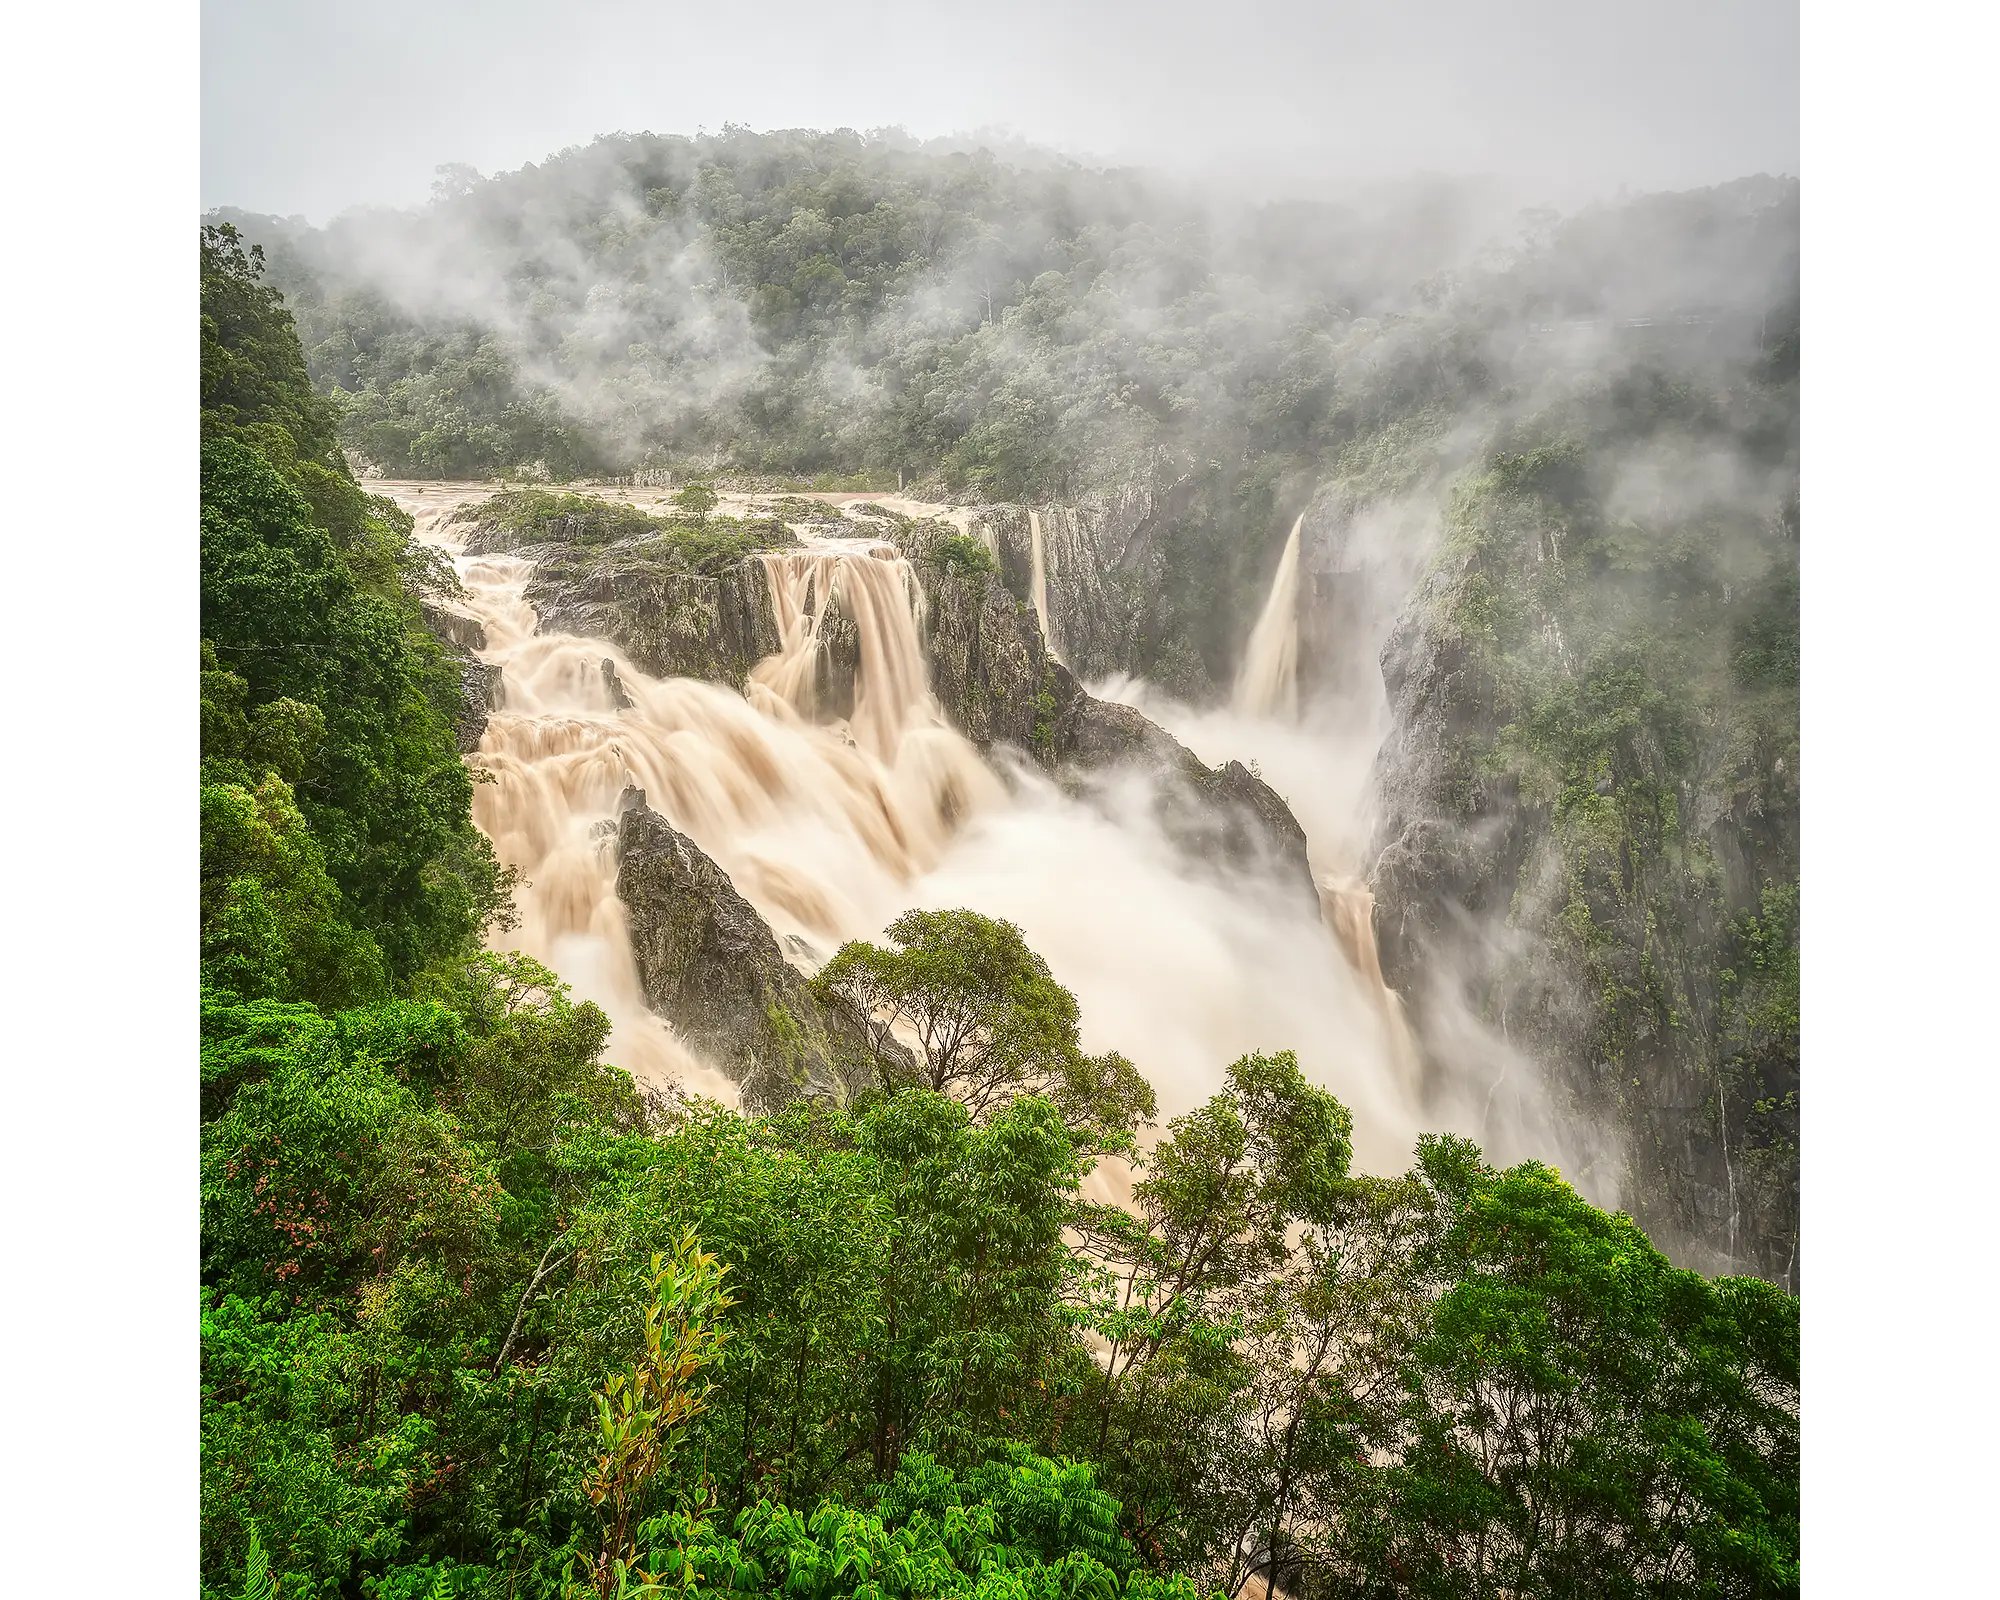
{"x":310,"y":108}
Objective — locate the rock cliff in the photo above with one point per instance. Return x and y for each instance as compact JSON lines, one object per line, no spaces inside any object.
{"x":1588,"y":834}
{"x":710,"y":965}
{"x":479,"y":684}
{"x":672,"y":622}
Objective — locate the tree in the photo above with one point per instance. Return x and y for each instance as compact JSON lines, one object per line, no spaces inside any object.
{"x":990,"y":1020}
{"x":1210,"y":1219}
{"x":254,"y":382}
{"x":644,"y":1411}
{"x":975,"y":1339}
{"x":382,"y":788}
{"x":697,"y":499}
{"x":1326,"y":1337}
{"x":1580,"y":1417}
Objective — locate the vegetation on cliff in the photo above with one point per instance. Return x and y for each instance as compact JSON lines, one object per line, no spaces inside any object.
{"x":328,"y":749}
{"x":1605,"y":651}
{"x":689,"y":539}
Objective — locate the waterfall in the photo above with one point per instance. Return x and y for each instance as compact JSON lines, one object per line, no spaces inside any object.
{"x":1040,"y":583}
{"x":821,"y":826}
{"x":1268,"y":685}
{"x":876,"y":589}
{"x":1348,"y":906}
{"x":832,"y":826}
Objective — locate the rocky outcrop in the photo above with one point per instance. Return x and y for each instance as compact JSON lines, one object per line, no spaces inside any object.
{"x":481,"y":692}
{"x":1100,"y":565}
{"x":669,"y":621}
{"x":998,"y":685}
{"x":709,"y":964}
{"x":460,"y":630}
{"x":1224,"y":813}
{"x":992,"y":678}
{"x":479,"y":683}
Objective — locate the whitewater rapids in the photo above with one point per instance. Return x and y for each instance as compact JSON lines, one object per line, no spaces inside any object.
{"x":831,"y":828}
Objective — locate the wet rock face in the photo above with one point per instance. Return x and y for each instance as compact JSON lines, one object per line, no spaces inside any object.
{"x":710,"y":965}
{"x":997,"y":684}
{"x":1101,"y":567}
{"x":671,"y":623}
{"x":481,"y":693}
{"x":459,"y":630}
{"x":1591,"y":925}
{"x":1450,"y":839}
{"x":479,"y":683}
{"x":1224,"y":813}
{"x":989,"y":671}
{"x":1089,"y":613}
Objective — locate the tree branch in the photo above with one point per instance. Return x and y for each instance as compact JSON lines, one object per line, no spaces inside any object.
{"x":542,"y":1270}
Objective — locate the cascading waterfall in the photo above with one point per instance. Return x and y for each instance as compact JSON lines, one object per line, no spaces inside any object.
{"x":821,"y":827}
{"x":1348,"y":906}
{"x":875,"y":588}
{"x":1039,"y":581}
{"x":832,"y":827}
{"x":1268,"y":688}
{"x":1268,"y":685}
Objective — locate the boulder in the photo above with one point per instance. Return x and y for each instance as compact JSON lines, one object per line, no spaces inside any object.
{"x":708,"y":964}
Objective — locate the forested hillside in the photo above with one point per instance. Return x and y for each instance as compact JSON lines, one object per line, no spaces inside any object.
{"x":1548,"y":467}
{"x":855,"y":308}
{"x":480,"y":1316}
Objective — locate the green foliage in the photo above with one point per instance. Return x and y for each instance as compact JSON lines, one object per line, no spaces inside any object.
{"x":426,"y":1229}
{"x":1020,"y":1528}
{"x":254,"y":382}
{"x":540,"y":516}
{"x":365,"y":720}
{"x":692,"y":542}
{"x":1213,"y":1212}
{"x":272,"y":922}
{"x":1583,"y":1418}
{"x":697,"y":499}
{"x":463,"y":1326}
{"x":991,"y":1020}
{"x":643,"y":1412}
{"x":286,"y":1399}
{"x":316,"y":674}
{"x":257,"y":1583}
{"x":966,"y":554}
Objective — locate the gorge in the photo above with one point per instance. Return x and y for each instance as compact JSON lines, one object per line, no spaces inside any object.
{"x":1199,"y":999}
{"x":834,"y":792}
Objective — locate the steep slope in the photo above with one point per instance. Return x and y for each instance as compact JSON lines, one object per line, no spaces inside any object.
{"x":1589,"y":820}
{"x":710,"y":965}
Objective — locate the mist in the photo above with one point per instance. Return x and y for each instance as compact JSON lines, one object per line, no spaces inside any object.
{"x":1406,"y":410}
{"x":1282,"y":97}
